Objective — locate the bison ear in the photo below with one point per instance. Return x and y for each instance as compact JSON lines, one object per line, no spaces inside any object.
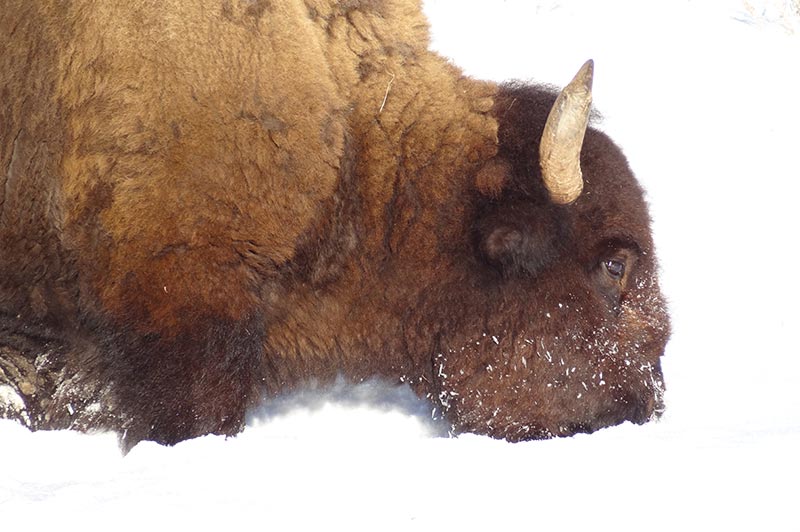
{"x":518,"y":238}
{"x":504,"y":245}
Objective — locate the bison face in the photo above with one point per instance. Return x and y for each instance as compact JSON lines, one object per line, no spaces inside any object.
{"x":570,"y":319}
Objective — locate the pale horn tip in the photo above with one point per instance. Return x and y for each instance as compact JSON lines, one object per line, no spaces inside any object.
{"x":562,"y":139}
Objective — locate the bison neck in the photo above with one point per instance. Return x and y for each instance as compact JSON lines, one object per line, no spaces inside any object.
{"x":419,"y":131}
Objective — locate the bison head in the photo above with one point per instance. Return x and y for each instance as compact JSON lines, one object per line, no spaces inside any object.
{"x":554,"y":323}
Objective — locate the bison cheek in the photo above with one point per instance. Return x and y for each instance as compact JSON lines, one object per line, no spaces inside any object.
{"x":494,"y":392}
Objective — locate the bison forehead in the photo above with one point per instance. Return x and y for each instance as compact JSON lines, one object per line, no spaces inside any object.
{"x":613,"y":204}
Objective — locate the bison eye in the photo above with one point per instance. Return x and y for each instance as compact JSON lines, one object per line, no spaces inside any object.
{"x":613,"y":271}
{"x":615,"y":268}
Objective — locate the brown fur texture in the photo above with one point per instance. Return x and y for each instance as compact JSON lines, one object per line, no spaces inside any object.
{"x":205,"y":204}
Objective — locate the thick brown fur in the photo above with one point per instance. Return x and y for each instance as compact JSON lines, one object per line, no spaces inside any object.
{"x":203,"y":205}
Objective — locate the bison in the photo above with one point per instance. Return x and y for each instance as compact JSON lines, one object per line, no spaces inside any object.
{"x":206,"y":204}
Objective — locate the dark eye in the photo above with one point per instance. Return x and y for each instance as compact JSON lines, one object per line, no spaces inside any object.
{"x":615,"y":268}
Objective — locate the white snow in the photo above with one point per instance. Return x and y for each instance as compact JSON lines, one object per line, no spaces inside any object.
{"x":704,"y":99}
{"x":12,"y":401}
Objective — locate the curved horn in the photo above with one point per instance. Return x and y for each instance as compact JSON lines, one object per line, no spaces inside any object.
{"x":560,"y":147}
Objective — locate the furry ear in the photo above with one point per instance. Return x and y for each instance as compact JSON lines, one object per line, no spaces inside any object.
{"x":519,"y":238}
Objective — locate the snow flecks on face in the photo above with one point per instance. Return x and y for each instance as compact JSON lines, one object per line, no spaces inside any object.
{"x":544,"y":352}
{"x":537,"y":369}
{"x":445,"y":397}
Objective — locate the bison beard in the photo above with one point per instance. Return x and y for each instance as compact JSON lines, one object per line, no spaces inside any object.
{"x":204,"y":207}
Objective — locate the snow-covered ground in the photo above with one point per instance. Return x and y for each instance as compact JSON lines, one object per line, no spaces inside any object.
{"x":704,"y":97}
